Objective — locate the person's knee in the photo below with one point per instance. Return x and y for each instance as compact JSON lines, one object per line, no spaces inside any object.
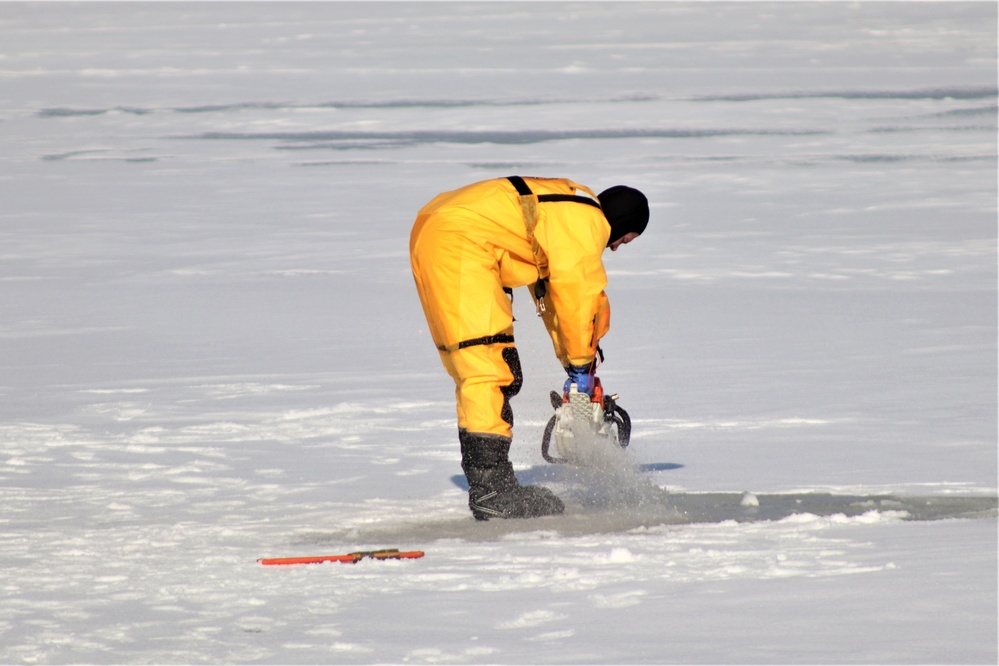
{"x":487,"y":376}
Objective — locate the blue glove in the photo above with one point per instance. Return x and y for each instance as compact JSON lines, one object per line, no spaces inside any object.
{"x":583,"y":377}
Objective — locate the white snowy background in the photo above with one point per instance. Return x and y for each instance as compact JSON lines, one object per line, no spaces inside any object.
{"x":211,"y":349}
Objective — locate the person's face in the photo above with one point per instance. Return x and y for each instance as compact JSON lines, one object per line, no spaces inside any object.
{"x":627,"y":238}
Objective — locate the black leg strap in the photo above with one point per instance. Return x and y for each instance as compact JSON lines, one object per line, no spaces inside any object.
{"x":499,"y":338}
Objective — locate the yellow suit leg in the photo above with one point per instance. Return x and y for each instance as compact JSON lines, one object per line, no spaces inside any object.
{"x":463,"y":299}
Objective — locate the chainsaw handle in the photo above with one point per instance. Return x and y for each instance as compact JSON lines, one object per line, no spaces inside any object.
{"x":621,"y":418}
{"x":546,"y":441}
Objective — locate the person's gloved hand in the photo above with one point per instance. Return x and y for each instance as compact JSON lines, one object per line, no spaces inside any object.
{"x":583,"y":377}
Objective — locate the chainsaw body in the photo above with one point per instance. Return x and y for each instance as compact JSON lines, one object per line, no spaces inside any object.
{"x":583,"y":423}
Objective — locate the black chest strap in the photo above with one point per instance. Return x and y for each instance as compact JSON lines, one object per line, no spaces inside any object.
{"x":523,"y":190}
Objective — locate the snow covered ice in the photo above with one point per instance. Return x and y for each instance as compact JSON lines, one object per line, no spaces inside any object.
{"x":211,"y":349}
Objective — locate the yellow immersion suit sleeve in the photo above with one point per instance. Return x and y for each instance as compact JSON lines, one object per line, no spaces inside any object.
{"x":573,"y":236}
{"x":601,"y":326}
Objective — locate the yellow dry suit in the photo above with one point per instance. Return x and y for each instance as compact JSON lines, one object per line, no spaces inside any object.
{"x":470,"y":247}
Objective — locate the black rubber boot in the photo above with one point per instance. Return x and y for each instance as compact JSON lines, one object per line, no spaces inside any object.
{"x":493,"y":490}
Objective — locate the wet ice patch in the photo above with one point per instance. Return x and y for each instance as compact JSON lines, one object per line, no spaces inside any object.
{"x":617,"y":600}
{"x":531,"y":619}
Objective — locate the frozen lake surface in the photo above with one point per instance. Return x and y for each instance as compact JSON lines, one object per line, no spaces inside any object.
{"x":211,"y":349}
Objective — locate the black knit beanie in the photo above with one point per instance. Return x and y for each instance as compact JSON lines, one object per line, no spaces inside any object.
{"x":626,"y":209}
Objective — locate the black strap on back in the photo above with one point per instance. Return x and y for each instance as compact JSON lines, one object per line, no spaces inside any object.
{"x":521,"y":186}
{"x":523,"y":190}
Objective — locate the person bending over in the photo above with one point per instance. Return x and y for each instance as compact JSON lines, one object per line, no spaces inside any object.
{"x":469,"y":248}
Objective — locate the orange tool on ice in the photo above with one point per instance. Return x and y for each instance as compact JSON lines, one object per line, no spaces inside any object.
{"x":349,"y":558}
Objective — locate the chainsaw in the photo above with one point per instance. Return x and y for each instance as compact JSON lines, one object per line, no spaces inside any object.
{"x":582,"y":422}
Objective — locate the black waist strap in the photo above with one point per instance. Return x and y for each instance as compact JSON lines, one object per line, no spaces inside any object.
{"x":524,"y":190}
